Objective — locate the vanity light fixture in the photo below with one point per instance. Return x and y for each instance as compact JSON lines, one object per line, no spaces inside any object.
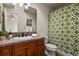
{"x":27,"y":6}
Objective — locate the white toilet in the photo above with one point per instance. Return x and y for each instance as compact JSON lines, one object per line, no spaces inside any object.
{"x":50,"y":49}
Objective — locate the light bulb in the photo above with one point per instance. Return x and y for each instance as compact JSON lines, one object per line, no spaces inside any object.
{"x":14,"y":3}
{"x":26,"y":7}
{"x":21,"y":4}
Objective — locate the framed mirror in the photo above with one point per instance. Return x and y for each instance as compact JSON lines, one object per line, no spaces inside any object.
{"x":18,"y":18}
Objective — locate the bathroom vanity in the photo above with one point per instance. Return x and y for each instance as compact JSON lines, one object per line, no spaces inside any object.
{"x":25,"y":46}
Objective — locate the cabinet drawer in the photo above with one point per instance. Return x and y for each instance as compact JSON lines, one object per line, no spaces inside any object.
{"x":19,"y":46}
{"x":21,"y":52}
{"x":40,"y":42}
{"x":6,"y":50}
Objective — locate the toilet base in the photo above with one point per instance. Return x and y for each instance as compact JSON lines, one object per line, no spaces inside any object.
{"x":49,"y":53}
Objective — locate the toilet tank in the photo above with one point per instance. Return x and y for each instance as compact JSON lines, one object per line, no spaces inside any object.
{"x":46,"y":39}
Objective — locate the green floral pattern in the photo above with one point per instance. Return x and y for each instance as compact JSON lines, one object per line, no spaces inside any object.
{"x":64,"y":28}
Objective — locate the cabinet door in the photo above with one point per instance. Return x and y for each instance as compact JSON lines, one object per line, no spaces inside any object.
{"x":31,"y":48}
{"x":5,"y":51}
{"x":21,"y":52}
{"x":40,"y":51}
{"x":19,"y":46}
{"x":19,"y":49}
{"x":40,"y":47}
{"x":31,"y":52}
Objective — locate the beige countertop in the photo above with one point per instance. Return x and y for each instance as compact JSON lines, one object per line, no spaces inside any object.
{"x":18,"y":39}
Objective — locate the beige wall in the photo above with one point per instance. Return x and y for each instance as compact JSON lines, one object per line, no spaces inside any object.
{"x":42,"y":18}
{"x":0,"y":26}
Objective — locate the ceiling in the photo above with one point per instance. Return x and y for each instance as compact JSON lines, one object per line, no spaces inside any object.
{"x":51,"y":6}
{"x":55,"y":5}
{"x":8,"y":5}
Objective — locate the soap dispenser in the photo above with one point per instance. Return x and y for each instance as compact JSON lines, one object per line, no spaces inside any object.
{"x":10,"y":35}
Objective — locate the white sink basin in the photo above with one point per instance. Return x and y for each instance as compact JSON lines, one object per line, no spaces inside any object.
{"x":22,"y":38}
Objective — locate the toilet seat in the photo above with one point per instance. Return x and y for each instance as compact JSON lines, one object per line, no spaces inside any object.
{"x":51,"y":47}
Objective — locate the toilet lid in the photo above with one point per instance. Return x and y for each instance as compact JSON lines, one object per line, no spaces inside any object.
{"x":52,"y":46}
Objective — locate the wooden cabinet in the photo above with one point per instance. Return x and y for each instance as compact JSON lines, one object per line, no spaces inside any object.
{"x":19,"y":46}
{"x":19,"y":49}
{"x":40,"y":51}
{"x":40,"y":47}
{"x":31,"y":52}
{"x":5,"y":51}
{"x":31,"y":48}
{"x":21,"y":52}
{"x":25,"y":48}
